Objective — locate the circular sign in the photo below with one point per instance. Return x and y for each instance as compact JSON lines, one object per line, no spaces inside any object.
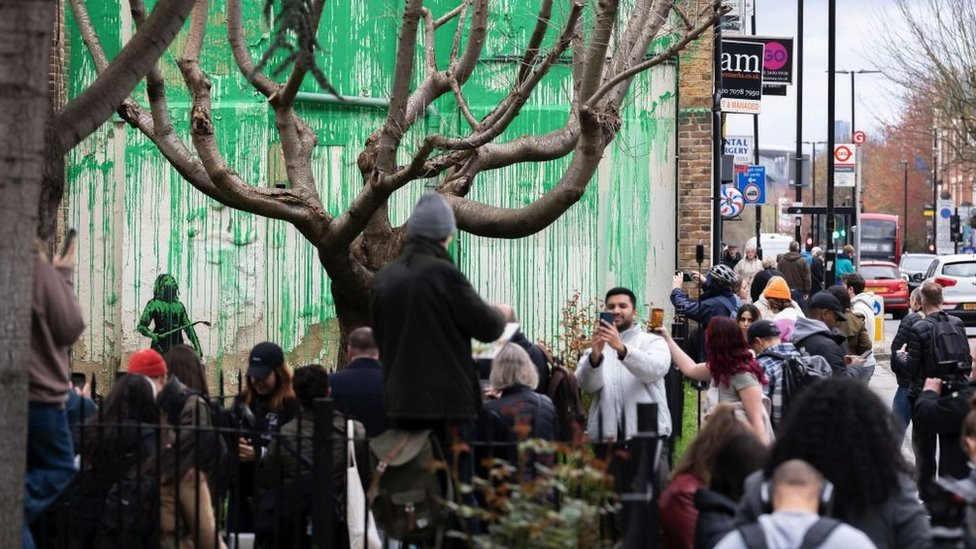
{"x":877,"y":305}
{"x":842,"y":153}
{"x":751,"y":192}
{"x":945,"y":213}
{"x":859,"y":137}
{"x":732,"y":201}
{"x":775,"y":56}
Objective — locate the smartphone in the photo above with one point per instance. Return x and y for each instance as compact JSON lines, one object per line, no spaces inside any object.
{"x":866,"y":354}
{"x":685,"y":277}
{"x":607,"y":317}
{"x":657,"y":318}
{"x":68,"y":239}
{"x":78,"y":380}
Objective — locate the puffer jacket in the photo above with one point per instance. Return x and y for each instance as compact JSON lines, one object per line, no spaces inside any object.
{"x":796,"y":271}
{"x":814,"y":337}
{"x":716,"y":517}
{"x":898,"y":358}
{"x":920,"y":347}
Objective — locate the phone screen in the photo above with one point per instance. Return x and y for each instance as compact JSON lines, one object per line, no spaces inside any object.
{"x":866,"y":354}
{"x":607,"y":317}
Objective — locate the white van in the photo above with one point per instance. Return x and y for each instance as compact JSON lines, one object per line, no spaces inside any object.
{"x":773,"y":244}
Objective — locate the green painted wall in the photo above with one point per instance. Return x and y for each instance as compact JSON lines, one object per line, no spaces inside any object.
{"x":258,"y":279}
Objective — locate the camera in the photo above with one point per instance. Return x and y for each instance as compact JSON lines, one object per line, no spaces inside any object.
{"x":954,"y":376}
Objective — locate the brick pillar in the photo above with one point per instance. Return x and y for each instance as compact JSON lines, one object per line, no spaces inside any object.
{"x":695,"y":153}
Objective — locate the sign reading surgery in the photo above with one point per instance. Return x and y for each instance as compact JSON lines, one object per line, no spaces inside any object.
{"x":739,"y":147}
{"x":742,"y":76}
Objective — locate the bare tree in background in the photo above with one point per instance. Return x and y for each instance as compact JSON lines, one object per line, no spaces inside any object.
{"x":34,"y":136}
{"x":935,"y":57}
{"x":353,"y":246}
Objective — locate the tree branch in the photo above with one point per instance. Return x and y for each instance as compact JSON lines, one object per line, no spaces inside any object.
{"x":86,"y":112}
{"x":431,"y":56}
{"x":538,"y":33}
{"x":597,"y":51}
{"x":450,"y":15}
{"x":463,"y":105}
{"x":396,"y":121}
{"x":286,"y":96}
{"x":235,"y":36}
{"x":656,"y":60}
{"x":155,"y":87}
{"x":89,"y":35}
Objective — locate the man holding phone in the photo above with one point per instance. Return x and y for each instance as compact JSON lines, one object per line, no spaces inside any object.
{"x":56,"y":323}
{"x":625,"y":366}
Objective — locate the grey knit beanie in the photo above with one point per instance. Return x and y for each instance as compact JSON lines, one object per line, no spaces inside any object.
{"x":432,"y":218}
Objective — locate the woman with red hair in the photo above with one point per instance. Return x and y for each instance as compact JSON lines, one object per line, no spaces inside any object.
{"x":731,"y":368}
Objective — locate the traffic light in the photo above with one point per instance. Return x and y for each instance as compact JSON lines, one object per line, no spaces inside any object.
{"x":954,"y":227}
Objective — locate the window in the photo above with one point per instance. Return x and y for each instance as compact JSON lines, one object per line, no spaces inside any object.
{"x":916,"y":263}
{"x":879,"y":272}
{"x":878,"y":230}
{"x":966,"y":268}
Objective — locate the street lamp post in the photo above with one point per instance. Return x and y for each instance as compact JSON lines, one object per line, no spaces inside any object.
{"x":799,"y":110}
{"x":831,"y":117}
{"x":904,"y":219}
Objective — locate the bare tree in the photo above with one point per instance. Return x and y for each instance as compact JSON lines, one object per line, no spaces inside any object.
{"x":935,"y":57}
{"x":34,"y":138}
{"x":353,"y":246}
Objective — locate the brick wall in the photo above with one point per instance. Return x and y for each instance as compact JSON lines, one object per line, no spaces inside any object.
{"x":695,"y":152}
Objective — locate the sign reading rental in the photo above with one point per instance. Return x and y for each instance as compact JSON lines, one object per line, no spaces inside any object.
{"x":742,"y":76}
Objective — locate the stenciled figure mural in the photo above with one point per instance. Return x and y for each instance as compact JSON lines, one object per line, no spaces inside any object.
{"x":168,"y":316}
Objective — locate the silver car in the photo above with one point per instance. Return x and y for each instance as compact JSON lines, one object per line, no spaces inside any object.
{"x":957,"y":276}
{"x":915,"y":267}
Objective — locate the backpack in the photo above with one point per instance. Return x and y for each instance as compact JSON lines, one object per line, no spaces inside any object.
{"x":948,"y":344}
{"x":131,"y":513}
{"x":754,"y":537}
{"x":798,"y":372}
{"x":565,"y":395}
{"x":407,"y":494}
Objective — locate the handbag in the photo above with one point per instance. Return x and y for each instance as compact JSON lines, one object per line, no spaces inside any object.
{"x":362,"y":527}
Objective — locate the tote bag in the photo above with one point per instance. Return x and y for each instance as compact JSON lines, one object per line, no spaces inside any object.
{"x":362,"y":528}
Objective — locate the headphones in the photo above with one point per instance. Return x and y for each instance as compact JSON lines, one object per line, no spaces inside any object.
{"x":826,"y":500}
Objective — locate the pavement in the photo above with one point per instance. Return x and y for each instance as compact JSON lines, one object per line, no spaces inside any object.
{"x":883,"y":381}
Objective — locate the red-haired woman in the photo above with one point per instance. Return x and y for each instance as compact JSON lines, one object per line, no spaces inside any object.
{"x":731,"y":368}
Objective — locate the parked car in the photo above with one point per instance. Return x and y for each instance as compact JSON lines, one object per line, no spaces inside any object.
{"x":957,"y":275}
{"x":914,"y":266}
{"x":884,"y":280}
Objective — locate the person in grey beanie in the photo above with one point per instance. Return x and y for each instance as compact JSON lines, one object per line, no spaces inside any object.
{"x":425,"y":314}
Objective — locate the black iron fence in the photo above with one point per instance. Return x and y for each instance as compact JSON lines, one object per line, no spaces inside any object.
{"x":185,"y":486}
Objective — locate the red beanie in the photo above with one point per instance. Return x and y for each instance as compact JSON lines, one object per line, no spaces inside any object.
{"x":148,"y":363}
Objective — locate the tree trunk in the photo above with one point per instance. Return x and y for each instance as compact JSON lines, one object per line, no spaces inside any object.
{"x":25,"y":40}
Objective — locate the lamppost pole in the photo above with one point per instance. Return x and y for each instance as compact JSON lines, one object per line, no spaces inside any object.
{"x":831,"y":118}
{"x":799,"y":112}
{"x":904,"y":219}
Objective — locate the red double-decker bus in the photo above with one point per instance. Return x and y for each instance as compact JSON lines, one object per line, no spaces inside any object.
{"x":880,"y":237}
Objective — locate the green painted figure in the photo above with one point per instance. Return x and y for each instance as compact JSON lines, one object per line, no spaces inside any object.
{"x":168,"y":316}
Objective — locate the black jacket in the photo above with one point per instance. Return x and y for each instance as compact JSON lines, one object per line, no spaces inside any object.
{"x":716,"y":518}
{"x":759,"y":282}
{"x":899,"y":360}
{"x":425,"y":314}
{"x":814,"y":337}
{"x":816,"y":275}
{"x":357,"y":391}
{"x":795,"y":271}
{"x":920,"y":346}
{"x":940,"y":416}
{"x":538,"y":360}
{"x":497,"y":422}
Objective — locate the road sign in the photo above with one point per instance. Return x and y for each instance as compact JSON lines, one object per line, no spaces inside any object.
{"x":732,"y":201}
{"x":844,"y":155}
{"x":742,"y":72}
{"x":752,"y":183}
{"x":859,"y":137}
{"x":844,"y":176}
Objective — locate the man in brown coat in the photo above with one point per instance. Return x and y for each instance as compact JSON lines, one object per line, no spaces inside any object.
{"x":796,"y":271}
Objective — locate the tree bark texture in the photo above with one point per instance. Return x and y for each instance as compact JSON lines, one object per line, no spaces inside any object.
{"x":25,"y":41}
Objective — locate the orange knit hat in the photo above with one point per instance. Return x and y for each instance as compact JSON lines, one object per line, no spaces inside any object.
{"x":777,"y":288}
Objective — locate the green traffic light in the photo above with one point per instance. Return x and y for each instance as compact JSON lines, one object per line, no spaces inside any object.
{"x":836,"y":235}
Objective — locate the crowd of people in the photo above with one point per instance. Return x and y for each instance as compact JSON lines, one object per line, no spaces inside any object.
{"x":795,"y":450}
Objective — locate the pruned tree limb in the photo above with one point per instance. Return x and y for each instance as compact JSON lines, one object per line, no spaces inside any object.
{"x":86,"y":112}
{"x":396,"y":120}
{"x":538,"y":33}
{"x":430,"y":55}
{"x":245,"y":63}
{"x":286,"y":96}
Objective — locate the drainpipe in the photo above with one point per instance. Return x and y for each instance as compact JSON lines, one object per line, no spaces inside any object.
{"x":354,"y":101}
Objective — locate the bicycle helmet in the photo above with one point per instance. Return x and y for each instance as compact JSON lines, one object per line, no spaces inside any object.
{"x":723,"y":275}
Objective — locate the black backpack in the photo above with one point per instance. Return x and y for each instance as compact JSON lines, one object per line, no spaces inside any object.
{"x":949,"y":344}
{"x":564,"y":393}
{"x":754,"y":537}
{"x":131,"y":513}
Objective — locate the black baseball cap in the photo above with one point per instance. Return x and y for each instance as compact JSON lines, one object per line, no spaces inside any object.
{"x":824,"y":300}
{"x":762,"y":329}
{"x":264,"y":358}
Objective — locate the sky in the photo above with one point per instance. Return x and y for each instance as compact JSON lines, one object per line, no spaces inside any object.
{"x":859,"y":22}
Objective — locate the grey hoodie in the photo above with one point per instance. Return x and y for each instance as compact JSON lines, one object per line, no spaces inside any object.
{"x":814,"y":337}
{"x":785,"y":530}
